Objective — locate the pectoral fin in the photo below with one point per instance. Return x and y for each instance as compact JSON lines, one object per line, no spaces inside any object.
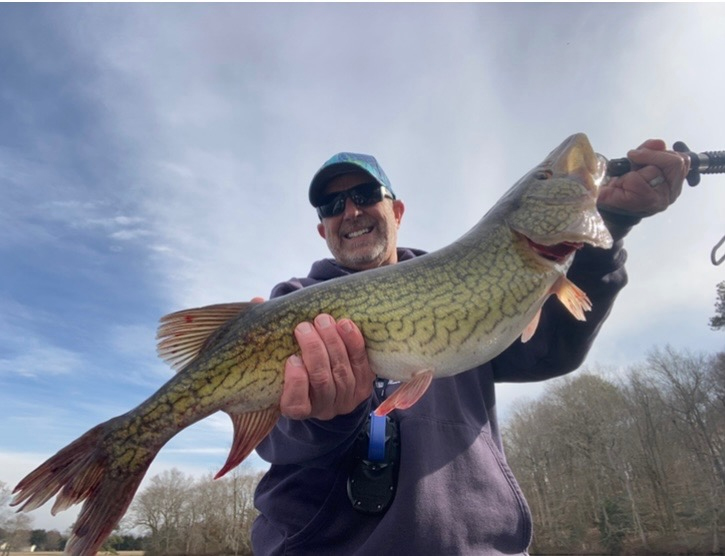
{"x":574,"y":299}
{"x":249,"y":430}
{"x":407,"y":394}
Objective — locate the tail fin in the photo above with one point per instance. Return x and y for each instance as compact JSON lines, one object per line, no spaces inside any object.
{"x":86,"y":470}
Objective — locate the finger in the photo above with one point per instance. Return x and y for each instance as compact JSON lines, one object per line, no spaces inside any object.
{"x":653,"y":144}
{"x":668,"y":164}
{"x":358,"y":357}
{"x":317,"y":363}
{"x":295,"y":400}
{"x":633,"y":194}
{"x":629,"y":192}
{"x":653,"y":186}
{"x":342,"y":374}
{"x":257,"y":300}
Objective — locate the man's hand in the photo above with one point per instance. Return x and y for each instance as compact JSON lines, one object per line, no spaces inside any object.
{"x":652,"y":186}
{"x":332,"y":377}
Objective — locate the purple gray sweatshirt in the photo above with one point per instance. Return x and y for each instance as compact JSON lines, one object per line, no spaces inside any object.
{"x":456,"y":494}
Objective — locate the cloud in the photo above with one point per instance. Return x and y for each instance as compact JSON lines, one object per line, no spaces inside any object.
{"x":41,"y":360}
{"x":136,"y":343}
{"x":26,"y":352}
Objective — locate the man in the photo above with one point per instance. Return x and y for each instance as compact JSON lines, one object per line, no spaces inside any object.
{"x":454,"y":492}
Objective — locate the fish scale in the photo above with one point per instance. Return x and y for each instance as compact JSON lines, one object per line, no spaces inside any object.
{"x":433,"y":316}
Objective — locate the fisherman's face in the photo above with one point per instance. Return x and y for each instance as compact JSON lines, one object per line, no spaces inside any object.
{"x":365,"y":237}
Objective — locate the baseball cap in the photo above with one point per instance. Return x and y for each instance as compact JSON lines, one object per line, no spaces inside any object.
{"x":344,"y":163}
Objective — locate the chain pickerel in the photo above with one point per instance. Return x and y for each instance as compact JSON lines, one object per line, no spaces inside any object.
{"x":433,"y":316}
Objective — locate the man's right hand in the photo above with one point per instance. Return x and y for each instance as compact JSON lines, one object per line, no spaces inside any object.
{"x":332,"y":376}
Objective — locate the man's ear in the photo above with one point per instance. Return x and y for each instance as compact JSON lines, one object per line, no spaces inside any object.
{"x":398,"y":210}
{"x":321,"y":230}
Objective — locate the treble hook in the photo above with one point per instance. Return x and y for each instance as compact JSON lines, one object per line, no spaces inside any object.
{"x":713,"y":255}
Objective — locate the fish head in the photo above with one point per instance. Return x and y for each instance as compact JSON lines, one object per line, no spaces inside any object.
{"x":554,"y":206}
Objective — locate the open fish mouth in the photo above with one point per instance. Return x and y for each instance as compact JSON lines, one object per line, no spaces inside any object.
{"x":555,"y":204}
{"x":558,"y":252}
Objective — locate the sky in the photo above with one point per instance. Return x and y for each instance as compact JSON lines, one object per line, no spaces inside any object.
{"x":157,"y":157}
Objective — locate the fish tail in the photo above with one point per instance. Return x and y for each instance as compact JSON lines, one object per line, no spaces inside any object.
{"x":87,"y":470}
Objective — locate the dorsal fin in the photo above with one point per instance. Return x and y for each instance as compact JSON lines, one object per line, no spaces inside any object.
{"x":183,"y":334}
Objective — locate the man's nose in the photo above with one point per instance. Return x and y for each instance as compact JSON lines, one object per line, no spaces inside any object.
{"x":351,"y":209}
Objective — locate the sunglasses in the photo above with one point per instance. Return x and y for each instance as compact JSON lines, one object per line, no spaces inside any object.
{"x":362,"y":195}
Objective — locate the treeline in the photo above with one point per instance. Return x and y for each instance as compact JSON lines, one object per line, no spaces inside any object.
{"x":17,"y":538}
{"x":17,"y":532}
{"x":634,"y":465}
{"x":183,"y":515}
{"x":174,"y":514}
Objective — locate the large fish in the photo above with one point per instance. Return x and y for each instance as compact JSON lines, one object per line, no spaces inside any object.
{"x":433,"y":316}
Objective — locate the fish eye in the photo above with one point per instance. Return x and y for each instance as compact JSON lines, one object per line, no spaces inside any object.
{"x":543,"y":175}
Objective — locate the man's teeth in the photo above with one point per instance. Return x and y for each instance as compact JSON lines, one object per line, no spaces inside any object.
{"x":358,"y":233}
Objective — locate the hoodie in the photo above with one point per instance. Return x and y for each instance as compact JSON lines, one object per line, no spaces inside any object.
{"x":455,"y":492}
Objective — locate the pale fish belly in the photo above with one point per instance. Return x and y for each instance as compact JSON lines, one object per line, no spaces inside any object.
{"x":405,"y":359}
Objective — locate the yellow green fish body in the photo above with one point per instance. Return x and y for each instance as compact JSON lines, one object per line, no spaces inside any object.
{"x":433,"y":316}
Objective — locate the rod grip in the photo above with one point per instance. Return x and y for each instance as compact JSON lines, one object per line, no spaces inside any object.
{"x":708,"y":162}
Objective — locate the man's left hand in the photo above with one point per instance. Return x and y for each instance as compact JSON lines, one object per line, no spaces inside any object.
{"x":654,"y":183}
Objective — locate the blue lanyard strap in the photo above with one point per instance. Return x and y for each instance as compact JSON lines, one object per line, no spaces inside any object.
{"x":376,"y":447}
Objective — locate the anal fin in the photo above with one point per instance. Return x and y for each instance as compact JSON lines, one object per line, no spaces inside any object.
{"x":531,"y":327}
{"x":407,"y":394}
{"x":249,"y":430}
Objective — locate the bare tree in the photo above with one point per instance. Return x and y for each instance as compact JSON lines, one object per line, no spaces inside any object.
{"x":685,"y":380}
{"x":532,"y":451}
{"x":163,"y":509}
{"x":569,"y":451}
{"x":717,"y":381}
{"x":15,"y":528}
{"x":652,"y":428}
{"x":203,"y":516}
{"x":639,"y":462}
{"x":593,"y":431}
{"x":224,"y":513}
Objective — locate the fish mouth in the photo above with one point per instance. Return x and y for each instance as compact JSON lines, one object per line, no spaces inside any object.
{"x":557,"y":253}
{"x":576,"y":159}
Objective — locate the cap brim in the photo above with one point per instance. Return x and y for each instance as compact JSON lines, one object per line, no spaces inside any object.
{"x":324,"y":176}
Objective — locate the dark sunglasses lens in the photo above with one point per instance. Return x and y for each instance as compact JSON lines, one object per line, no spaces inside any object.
{"x":362,"y":195}
{"x":366,"y":194}
{"x":333,"y":207}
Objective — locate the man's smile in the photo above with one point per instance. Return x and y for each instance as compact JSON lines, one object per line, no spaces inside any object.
{"x":358,"y":233}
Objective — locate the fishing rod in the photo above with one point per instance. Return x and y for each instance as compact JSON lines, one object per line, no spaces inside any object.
{"x":708,"y":162}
